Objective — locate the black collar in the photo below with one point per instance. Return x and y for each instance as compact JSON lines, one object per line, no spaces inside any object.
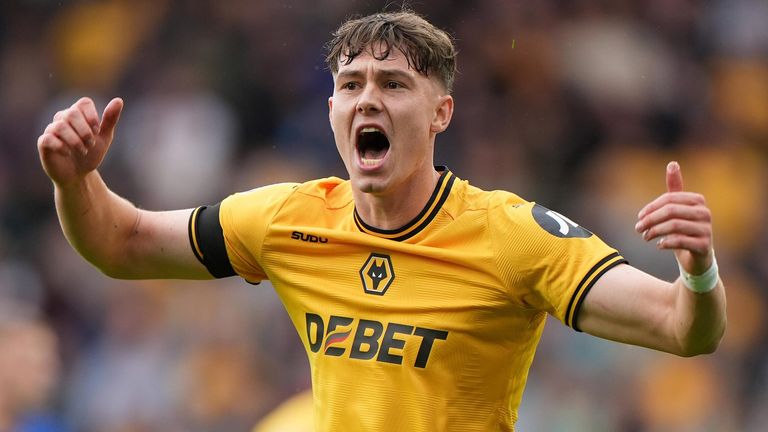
{"x":430,"y":210}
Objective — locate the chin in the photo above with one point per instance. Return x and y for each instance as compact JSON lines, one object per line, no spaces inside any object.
{"x":368,"y":185}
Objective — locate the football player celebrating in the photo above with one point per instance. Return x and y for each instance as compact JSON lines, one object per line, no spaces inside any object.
{"x":419,"y":298}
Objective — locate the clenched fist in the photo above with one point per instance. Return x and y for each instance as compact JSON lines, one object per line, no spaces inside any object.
{"x":75,"y":142}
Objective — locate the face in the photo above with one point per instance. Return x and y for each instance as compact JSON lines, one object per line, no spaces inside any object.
{"x":385,"y":117}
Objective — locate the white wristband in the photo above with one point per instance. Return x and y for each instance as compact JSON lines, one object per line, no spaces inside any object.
{"x":702,"y":283}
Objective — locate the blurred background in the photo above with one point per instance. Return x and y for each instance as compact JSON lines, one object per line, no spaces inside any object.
{"x":577,"y":105}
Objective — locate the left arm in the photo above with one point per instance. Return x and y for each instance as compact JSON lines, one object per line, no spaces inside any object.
{"x":630,"y":306}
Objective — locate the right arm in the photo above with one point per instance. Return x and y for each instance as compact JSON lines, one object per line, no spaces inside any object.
{"x":106,"y":229}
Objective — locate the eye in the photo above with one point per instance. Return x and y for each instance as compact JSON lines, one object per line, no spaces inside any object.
{"x":393,"y":85}
{"x":351,"y":85}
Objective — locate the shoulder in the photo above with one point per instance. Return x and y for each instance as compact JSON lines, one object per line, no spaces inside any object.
{"x":512,"y":213}
{"x":508,"y":214}
{"x":495,"y":202}
{"x":464,"y":194}
{"x":331,"y":190}
{"x":498,"y":212}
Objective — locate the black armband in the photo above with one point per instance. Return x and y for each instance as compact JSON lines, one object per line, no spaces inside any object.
{"x":207,"y":240}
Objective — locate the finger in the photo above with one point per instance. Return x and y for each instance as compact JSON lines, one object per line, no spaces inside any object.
{"x":77,"y":121}
{"x":674,"y":177}
{"x":62,"y":130}
{"x":695,"y":245}
{"x":685,"y":198}
{"x":88,"y":108}
{"x":49,"y":143}
{"x":678,"y":226}
{"x":110,"y":118}
{"x":674,"y":211}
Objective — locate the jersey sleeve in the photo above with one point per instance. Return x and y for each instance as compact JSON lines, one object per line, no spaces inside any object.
{"x":227,"y":237}
{"x":549,"y":262}
{"x":207,"y":240}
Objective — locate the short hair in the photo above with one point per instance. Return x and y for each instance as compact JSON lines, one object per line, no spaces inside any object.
{"x":427,"y":48}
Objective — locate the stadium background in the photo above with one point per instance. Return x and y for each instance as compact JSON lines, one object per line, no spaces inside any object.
{"x":575,"y":104}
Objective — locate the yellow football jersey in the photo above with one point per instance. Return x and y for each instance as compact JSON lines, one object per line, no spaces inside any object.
{"x":293,"y":415}
{"x":430,"y":327}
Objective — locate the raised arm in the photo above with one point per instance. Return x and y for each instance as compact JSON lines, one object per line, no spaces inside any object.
{"x":107,"y":230}
{"x":630,"y":306}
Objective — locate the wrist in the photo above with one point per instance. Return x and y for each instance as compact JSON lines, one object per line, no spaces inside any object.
{"x":701,"y":283}
{"x":76,"y":183}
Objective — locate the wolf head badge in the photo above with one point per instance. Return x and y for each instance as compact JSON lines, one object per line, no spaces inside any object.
{"x":377,"y":274}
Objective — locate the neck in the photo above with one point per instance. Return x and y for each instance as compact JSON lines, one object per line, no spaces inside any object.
{"x":395,"y":209}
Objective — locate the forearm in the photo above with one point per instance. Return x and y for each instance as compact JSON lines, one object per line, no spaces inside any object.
{"x":96,"y":221}
{"x":107,"y":230}
{"x":699,"y":319}
{"x":630,"y":306}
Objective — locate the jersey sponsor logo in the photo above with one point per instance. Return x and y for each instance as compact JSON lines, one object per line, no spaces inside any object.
{"x":310,"y":238}
{"x":371,"y":340}
{"x":557,"y":224}
{"x":377,"y":274}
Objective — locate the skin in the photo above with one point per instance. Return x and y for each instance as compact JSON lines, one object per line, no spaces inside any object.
{"x":630,"y":306}
{"x":107,"y":230}
{"x":625,"y":304}
{"x":29,"y":369}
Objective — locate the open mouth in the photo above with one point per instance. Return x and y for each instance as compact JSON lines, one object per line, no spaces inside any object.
{"x":372,"y":145}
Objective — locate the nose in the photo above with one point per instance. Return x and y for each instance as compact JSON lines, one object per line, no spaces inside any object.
{"x":369,"y":101}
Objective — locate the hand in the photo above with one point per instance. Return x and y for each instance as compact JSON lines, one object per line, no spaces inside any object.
{"x":75,"y":142}
{"x":680,"y":221}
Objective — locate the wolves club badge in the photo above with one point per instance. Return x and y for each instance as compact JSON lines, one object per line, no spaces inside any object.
{"x":377,"y":274}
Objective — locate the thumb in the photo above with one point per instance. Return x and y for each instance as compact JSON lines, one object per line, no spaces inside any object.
{"x":674,"y":177}
{"x":109,"y":118}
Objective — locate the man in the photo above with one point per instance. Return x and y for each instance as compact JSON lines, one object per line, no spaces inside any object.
{"x":420,"y":299}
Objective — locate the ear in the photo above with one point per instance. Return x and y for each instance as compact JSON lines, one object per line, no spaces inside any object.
{"x":443,"y":114}
{"x":330,"y":111}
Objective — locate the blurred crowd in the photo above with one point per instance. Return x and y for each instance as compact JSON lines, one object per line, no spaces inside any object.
{"x":577,"y":105}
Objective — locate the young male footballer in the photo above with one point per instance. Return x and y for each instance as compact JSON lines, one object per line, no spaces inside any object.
{"x":419,"y":298}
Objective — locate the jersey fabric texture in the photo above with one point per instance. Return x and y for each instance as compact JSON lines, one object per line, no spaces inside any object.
{"x":293,"y":415}
{"x":430,"y":327}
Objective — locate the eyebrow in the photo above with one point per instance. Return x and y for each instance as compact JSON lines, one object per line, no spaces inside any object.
{"x":357,"y":73}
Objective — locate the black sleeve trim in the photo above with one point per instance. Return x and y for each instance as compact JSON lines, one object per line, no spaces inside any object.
{"x":595,"y":273}
{"x":207,"y":240}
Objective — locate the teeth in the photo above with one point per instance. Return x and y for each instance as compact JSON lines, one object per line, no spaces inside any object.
{"x":370,"y":161}
{"x":371,"y":129}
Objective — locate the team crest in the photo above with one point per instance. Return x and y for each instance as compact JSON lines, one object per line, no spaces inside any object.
{"x":377,"y":274}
